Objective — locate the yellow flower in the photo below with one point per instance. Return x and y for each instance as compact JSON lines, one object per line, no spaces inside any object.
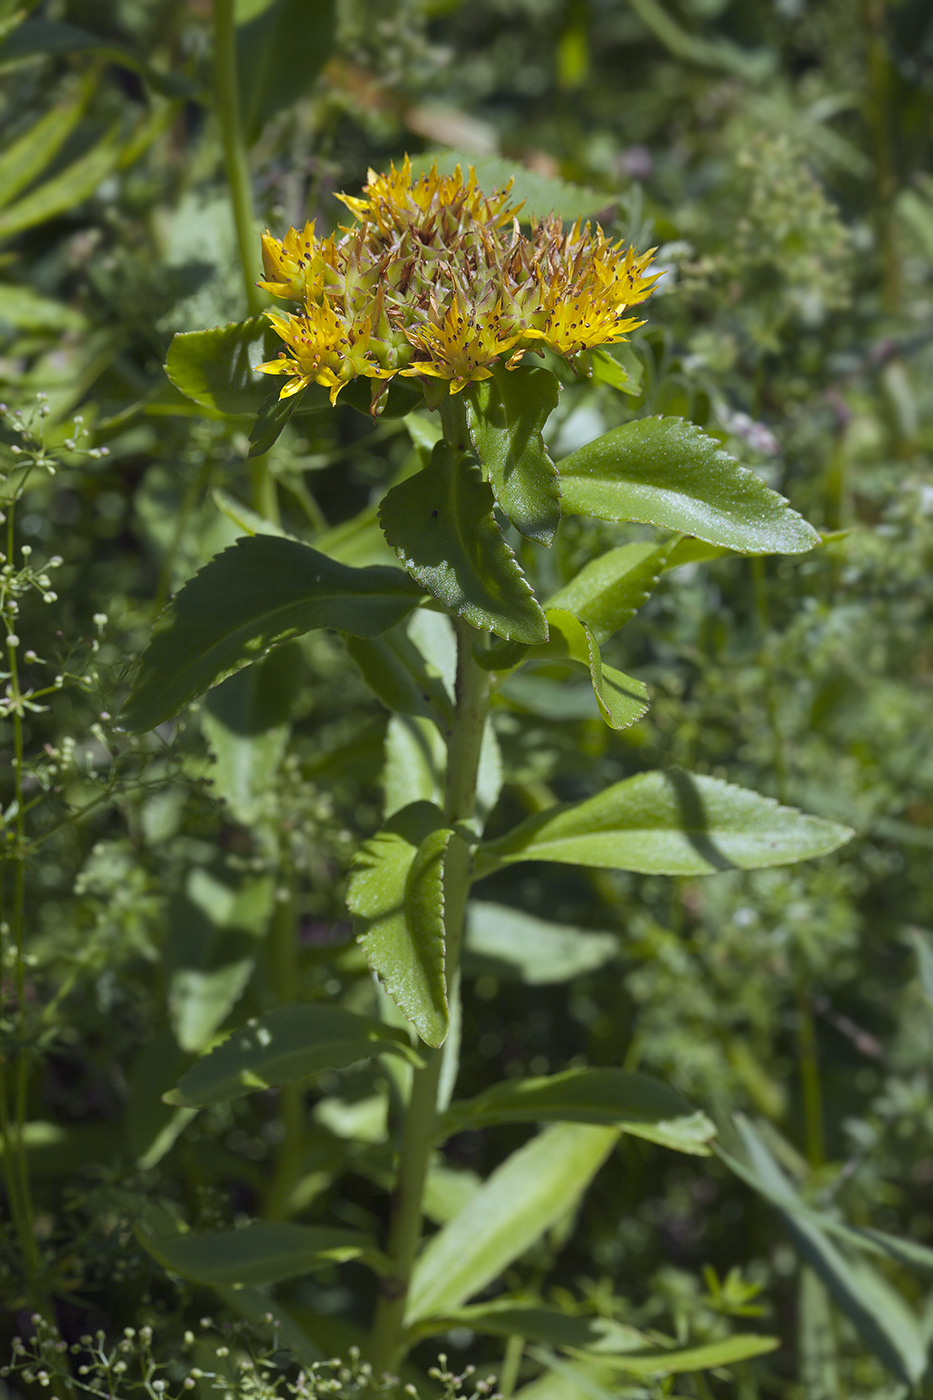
{"x":436,"y":279}
{"x":326,"y":349}
{"x":460,"y":346}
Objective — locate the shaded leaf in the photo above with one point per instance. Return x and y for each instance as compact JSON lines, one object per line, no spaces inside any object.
{"x":70,"y":187}
{"x":398,"y":673}
{"x":665,"y":471}
{"x":513,"y":1317}
{"x":286,"y":1044}
{"x":505,"y":415}
{"x":520,"y":1201}
{"x":262,"y":591}
{"x":667,"y":823}
{"x":396,"y":890}
{"x":415,"y":762}
{"x":637,"y":1104}
{"x":440,"y":523}
{"x":24,"y":159}
{"x":262,"y":1252}
{"x":880,"y":1316}
{"x":270,"y":423}
{"x":513,"y":945}
{"x":245,"y":721}
{"x":279,"y":54}
{"x":703,"y":1357}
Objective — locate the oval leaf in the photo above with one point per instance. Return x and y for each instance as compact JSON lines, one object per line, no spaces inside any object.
{"x":521,"y":1200}
{"x":397,"y":891}
{"x":263,"y":1252}
{"x":639,"y":1105}
{"x":670,"y":823}
{"x":263,"y":590}
{"x":505,"y":415}
{"x":665,"y":471}
{"x":285,"y":1045}
{"x":441,"y":525}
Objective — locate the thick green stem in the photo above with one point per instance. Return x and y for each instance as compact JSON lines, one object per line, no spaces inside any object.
{"x":236,"y":165}
{"x":463,"y":752}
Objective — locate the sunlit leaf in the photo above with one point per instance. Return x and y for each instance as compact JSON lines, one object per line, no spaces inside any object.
{"x":519,"y":1202}
{"x":665,"y":471}
{"x":667,"y":823}
{"x":611,"y":588}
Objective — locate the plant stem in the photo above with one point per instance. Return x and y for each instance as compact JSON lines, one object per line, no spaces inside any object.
{"x":15,"y":1163}
{"x":236,"y":166}
{"x":283,"y":959}
{"x":227,"y":99}
{"x":463,"y":752}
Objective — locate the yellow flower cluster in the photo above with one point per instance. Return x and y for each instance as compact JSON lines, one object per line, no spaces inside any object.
{"x":436,"y":279}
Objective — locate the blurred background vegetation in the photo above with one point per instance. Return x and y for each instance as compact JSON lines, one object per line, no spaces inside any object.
{"x":778,"y":152}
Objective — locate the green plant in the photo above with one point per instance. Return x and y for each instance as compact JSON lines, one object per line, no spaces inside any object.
{"x":434,"y":283}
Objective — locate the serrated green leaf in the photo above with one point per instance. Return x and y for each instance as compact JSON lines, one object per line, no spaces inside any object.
{"x":396,"y":890}
{"x":261,"y":591}
{"x":517,"y":946}
{"x":279,"y":54}
{"x":441,"y":525}
{"x":217,"y":368}
{"x":520,"y":1201}
{"x":619,"y":367}
{"x":637,"y":1104}
{"x":667,"y":823}
{"x":287,"y":1044}
{"x":610,"y":589}
{"x":665,"y":471}
{"x":505,"y":415}
{"x":542,"y":194}
{"x":262,"y":1252}
{"x":621,"y":699}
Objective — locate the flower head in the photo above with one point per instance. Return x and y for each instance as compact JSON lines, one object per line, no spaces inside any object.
{"x":436,"y":279}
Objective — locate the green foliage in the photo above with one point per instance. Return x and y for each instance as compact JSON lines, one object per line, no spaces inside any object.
{"x":194,"y":1045}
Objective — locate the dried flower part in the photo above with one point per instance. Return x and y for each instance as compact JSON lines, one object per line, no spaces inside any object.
{"x":436,"y":279}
